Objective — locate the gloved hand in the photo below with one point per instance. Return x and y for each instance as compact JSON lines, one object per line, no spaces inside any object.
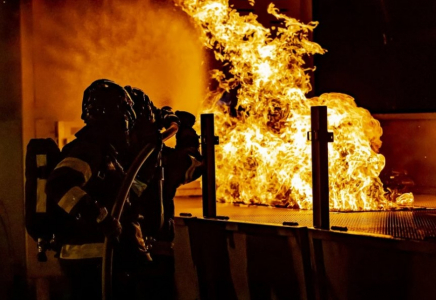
{"x":166,"y":116}
{"x":111,"y":227}
{"x":186,"y":136}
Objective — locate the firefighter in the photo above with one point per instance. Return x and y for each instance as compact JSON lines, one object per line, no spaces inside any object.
{"x":181,"y":165}
{"x":83,"y":186}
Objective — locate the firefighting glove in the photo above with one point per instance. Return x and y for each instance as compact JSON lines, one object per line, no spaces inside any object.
{"x":186,"y":136}
{"x":165,"y":116}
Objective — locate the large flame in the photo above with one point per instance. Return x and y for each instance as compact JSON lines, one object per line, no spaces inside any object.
{"x":264,"y":156}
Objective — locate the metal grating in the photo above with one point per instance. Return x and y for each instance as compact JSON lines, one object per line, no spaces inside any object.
{"x":415,"y":224}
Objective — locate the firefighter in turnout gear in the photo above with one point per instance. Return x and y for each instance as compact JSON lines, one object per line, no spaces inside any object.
{"x":155,"y":200}
{"x":83,"y":186}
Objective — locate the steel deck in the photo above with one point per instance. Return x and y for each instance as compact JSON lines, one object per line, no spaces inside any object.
{"x":418,"y":223}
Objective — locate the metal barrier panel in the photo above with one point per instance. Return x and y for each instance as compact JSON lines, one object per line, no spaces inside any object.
{"x":355,"y":266}
{"x":185,"y":271}
{"x":243,"y":261}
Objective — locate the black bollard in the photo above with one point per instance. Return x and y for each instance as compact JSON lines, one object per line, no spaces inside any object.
{"x":208,"y":142}
{"x":320,"y":138}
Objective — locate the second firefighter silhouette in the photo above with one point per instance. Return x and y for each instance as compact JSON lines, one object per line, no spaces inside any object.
{"x":156,"y":185}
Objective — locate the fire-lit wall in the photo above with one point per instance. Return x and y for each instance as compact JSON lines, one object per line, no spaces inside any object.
{"x":148,"y":44}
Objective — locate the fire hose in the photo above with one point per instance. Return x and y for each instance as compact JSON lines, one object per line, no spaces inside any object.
{"x":120,"y":200}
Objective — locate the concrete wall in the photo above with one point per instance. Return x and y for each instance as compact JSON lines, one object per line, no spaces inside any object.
{"x":408,"y":146}
{"x":12,"y":261}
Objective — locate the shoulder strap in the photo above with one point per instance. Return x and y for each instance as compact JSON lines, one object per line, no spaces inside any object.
{"x":41,"y":158}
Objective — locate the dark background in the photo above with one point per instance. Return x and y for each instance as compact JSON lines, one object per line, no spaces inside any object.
{"x":381,"y":52}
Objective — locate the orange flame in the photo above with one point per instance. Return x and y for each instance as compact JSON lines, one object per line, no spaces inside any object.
{"x":264,"y":156}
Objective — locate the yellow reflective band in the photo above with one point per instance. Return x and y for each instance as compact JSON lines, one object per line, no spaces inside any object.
{"x":138,"y":187}
{"x":77,"y":165}
{"x":190,"y":172}
{"x":41,"y":160}
{"x":71,"y":198}
{"x":41,"y":196}
{"x":93,"y":250}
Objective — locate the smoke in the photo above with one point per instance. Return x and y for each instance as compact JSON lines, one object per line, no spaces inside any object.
{"x":148,"y":44}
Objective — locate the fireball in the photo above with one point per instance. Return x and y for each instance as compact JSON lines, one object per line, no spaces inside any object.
{"x":262,"y":116}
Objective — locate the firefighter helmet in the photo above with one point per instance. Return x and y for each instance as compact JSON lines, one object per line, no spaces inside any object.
{"x":105,"y":101}
{"x":142,"y":104}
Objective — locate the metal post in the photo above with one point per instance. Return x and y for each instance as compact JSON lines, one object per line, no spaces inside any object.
{"x":208,"y":142}
{"x":320,"y":177}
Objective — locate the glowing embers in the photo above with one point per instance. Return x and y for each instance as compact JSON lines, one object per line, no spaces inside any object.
{"x":262,"y":117}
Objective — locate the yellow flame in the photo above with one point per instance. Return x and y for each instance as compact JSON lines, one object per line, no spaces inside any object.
{"x":264,"y":156}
